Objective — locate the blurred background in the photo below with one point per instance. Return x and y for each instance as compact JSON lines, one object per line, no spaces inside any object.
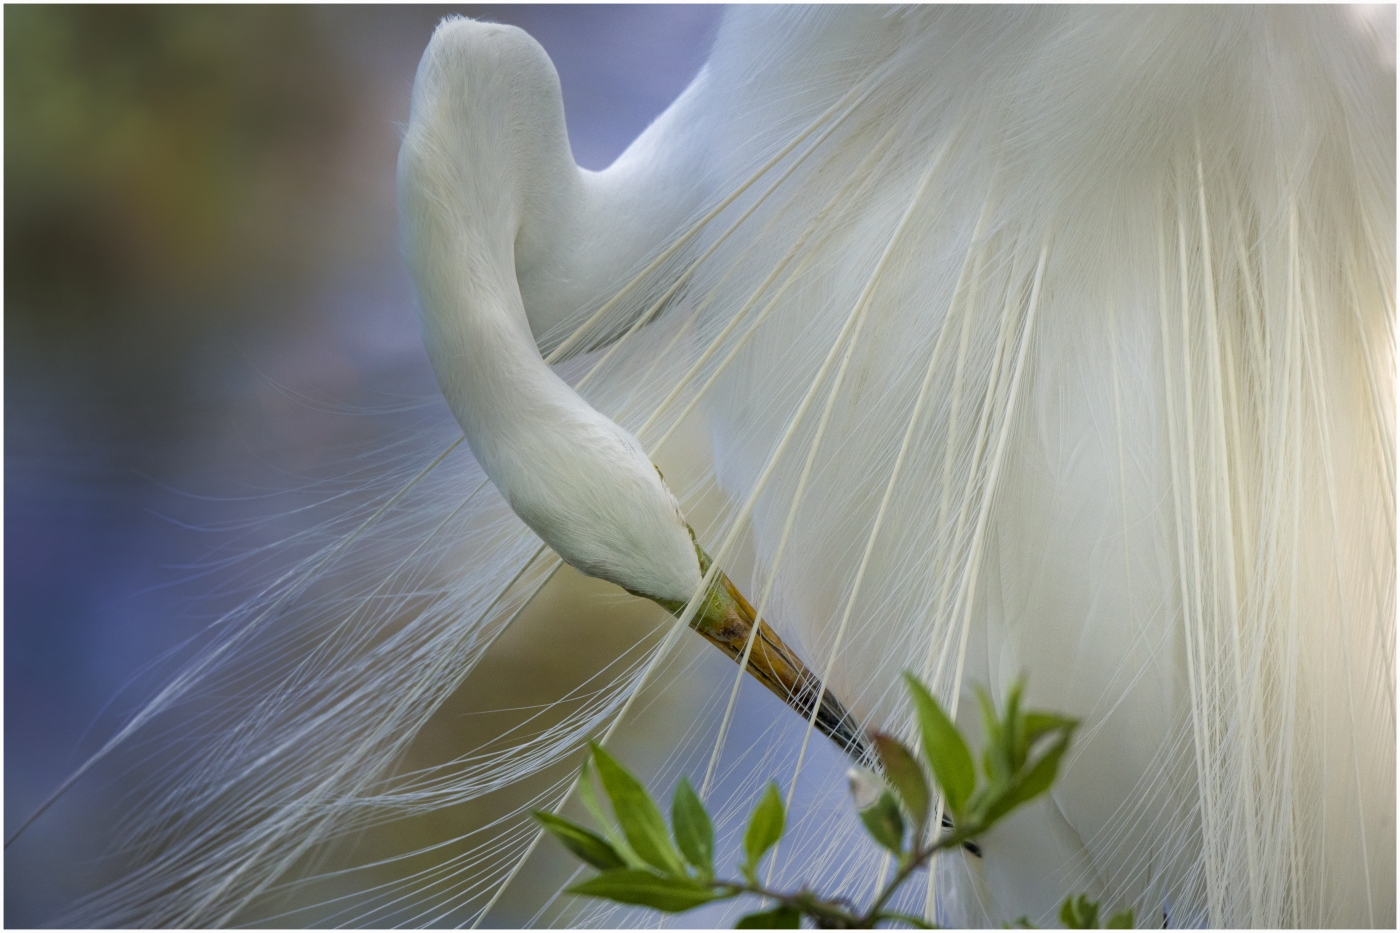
{"x":206,"y":316}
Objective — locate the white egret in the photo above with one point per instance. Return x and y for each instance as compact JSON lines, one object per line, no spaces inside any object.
{"x":1046,"y":340}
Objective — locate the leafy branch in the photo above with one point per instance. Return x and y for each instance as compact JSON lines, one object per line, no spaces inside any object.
{"x":641,"y":863}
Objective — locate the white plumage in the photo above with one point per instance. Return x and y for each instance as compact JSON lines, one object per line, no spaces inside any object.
{"x":1055,"y":341}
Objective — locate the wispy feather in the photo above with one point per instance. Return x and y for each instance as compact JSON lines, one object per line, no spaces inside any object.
{"x":1049,"y":340}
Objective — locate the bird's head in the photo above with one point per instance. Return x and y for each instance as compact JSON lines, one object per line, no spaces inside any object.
{"x":486,"y":183}
{"x":488,"y":192}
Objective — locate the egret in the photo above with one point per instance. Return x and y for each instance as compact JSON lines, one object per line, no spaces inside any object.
{"x":1048,"y":341}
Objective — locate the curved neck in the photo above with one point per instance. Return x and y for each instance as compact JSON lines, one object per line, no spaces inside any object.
{"x":487,"y":186}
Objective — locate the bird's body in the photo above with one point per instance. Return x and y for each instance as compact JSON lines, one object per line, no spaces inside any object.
{"x":1047,"y":341}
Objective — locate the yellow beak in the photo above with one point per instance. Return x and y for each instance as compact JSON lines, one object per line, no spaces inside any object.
{"x":727,"y":620}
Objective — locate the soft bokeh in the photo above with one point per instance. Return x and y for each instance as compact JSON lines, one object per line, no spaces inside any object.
{"x":206,"y":317}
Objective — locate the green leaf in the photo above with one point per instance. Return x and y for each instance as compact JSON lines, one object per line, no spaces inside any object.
{"x":589,"y":796}
{"x":1123,"y":920}
{"x":1033,"y":726}
{"x":765,"y":827}
{"x":638,"y":886}
{"x":995,"y":762}
{"x":1079,"y":913}
{"x":944,"y":748}
{"x":638,"y":815}
{"x":779,"y":918}
{"x":1030,"y":784}
{"x":694,"y":833}
{"x":1038,"y":723}
{"x":1013,"y":727}
{"x":904,"y":773}
{"x":1042,"y":774}
{"x":586,"y":845}
{"x":991,"y":722}
{"x":883,"y":822}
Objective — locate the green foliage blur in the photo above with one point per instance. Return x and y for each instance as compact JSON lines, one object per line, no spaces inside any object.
{"x":156,"y":154}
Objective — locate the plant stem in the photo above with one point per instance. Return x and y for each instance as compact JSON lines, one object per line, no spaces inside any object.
{"x":908,"y":865}
{"x":826,"y":913}
{"x":829,"y":913}
{"x":913,"y":921}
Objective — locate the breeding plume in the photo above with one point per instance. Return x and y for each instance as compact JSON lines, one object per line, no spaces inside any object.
{"x":1047,"y":341}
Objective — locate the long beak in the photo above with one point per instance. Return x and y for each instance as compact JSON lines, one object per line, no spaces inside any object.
{"x":726,"y":619}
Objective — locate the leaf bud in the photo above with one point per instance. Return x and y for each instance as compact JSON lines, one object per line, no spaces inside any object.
{"x":865,"y":787}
